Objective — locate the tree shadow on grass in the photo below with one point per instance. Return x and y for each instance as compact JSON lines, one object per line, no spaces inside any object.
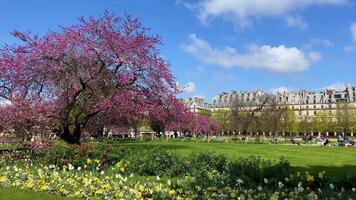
{"x":146,"y":146}
{"x":332,"y":171}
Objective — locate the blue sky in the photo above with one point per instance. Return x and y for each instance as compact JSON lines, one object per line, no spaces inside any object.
{"x":224,"y":45}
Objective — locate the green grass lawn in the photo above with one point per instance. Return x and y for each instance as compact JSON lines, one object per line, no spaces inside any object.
{"x":6,"y":147}
{"x":334,"y":160}
{"x":7,"y":193}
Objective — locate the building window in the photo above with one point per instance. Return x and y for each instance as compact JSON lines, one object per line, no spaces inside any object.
{"x":314,"y":106}
{"x":314,"y":112}
{"x":322,"y":106}
{"x":307,"y":112}
{"x":307,"y":107}
{"x":300,"y":113}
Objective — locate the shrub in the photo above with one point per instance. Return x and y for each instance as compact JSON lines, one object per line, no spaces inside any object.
{"x":156,"y":162}
{"x":198,"y":163}
{"x":255,"y":170}
{"x":61,"y":153}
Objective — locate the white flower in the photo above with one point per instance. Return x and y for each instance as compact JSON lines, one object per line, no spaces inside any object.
{"x":79,"y":168}
{"x":312,"y":195}
{"x":117,"y":176}
{"x":131,"y":175}
{"x":259,"y":188}
{"x":239,"y":182}
{"x":331,"y":186}
{"x":300,"y":189}
{"x":265,"y":180}
{"x":280,"y":184}
{"x":70,"y":166}
{"x":242,"y":197}
{"x":7,"y":168}
{"x":353,"y":189}
{"x":102,"y":172}
{"x":157,"y":177}
{"x":169,"y":182}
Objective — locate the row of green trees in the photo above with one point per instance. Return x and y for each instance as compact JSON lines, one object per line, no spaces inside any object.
{"x":271,"y":117}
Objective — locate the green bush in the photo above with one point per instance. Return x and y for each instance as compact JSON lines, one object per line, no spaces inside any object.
{"x":61,"y":153}
{"x":255,"y":170}
{"x":156,"y":162}
{"x":197,"y":163}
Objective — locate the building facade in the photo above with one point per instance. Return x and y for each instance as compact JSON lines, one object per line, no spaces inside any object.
{"x":195,"y":104}
{"x":303,"y":103}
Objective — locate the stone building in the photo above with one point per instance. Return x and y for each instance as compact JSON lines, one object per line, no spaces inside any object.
{"x":196,"y":104}
{"x":303,"y":103}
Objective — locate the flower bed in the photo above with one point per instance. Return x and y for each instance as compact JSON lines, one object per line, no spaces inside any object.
{"x":115,"y":182}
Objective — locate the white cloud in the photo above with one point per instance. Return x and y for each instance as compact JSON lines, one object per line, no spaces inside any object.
{"x":189,"y":87}
{"x":317,"y":42}
{"x":241,"y":11}
{"x":296,"y":22}
{"x":280,"y":59}
{"x":315,"y":56}
{"x":336,"y":86}
{"x":352,"y":47}
{"x":280,"y":90}
{"x":199,"y":96}
{"x":353,"y":31}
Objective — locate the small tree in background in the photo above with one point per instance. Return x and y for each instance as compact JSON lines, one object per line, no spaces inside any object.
{"x":223,"y":119}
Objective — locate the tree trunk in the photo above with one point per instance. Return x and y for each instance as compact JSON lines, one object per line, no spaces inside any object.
{"x":99,"y":132}
{"x":71,"y":138}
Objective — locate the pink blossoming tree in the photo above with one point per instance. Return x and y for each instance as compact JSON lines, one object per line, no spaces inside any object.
{"x":102,"y":72}
{"x":105,"y":68}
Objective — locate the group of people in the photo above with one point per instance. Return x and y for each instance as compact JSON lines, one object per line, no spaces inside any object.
{"x":323,"y":141}
{"x":343,"y":140}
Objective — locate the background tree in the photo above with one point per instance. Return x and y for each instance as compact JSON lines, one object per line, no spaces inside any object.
{"x":345,"y":114}
{"x":205,"y":112}
{"x":289,"y":121}
{"x":244,"y":114}
{"x":304,"y":125}
{"x":322,"y":122}
{"x":223,"y":119}
{"x":271,"y":116}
